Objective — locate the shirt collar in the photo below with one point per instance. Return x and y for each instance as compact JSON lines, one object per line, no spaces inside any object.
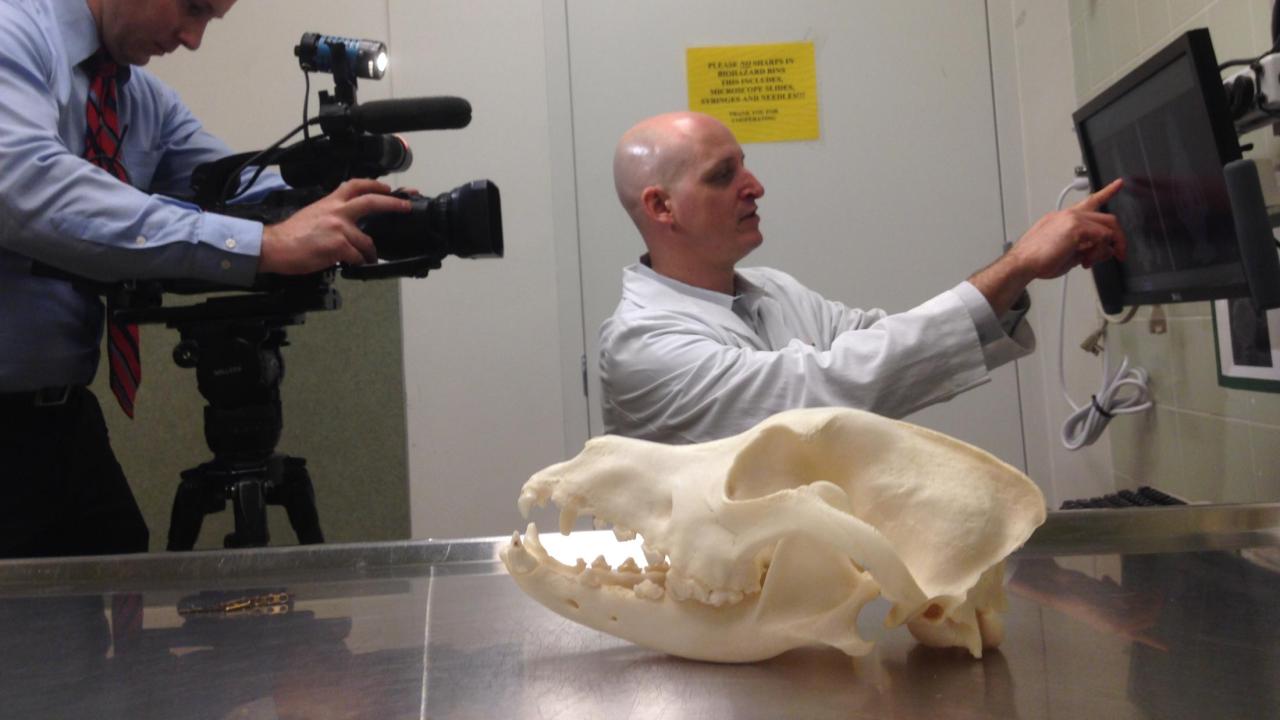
{"x":80,"y":33}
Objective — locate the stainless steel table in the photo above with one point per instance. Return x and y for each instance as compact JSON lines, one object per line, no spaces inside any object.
{"x":1112,"y":614}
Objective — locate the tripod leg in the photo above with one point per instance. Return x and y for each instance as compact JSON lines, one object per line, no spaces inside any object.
{"x":190,"y":504}
{"x":251,"y":515}
{"x":298,"y":497}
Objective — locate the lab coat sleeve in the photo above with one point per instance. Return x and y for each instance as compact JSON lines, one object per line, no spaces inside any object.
{"x":668,"y":376}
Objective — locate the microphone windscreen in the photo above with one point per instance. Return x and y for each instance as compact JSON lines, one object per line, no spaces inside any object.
{"x":411,"y":114}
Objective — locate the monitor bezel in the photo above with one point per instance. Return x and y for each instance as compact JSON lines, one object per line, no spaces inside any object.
{"x":1196,"y":44}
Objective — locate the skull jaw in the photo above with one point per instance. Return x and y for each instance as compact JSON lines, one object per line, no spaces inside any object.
{"x":781,"y":617}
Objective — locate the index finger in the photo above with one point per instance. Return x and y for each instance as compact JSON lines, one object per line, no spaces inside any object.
{"x":1100,"y":198}
{"x":358,"y":187}
{"x":373,"y":203}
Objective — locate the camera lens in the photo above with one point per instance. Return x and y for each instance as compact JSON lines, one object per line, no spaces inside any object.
{"x":466,"y":221}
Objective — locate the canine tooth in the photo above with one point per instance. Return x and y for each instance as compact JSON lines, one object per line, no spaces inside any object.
{"x":519,"y":560}
{"x":629,"y":566}
{"x":623,"y":534}
{"x":531,"y":537}
{"x":531,"y":498}
{"x":649,"y":591}
{"x":525,"y":503}
{"x":568,"y":515}
{"x":601,"y":564}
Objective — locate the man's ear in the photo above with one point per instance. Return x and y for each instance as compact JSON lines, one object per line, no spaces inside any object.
{"x":656,"y":204}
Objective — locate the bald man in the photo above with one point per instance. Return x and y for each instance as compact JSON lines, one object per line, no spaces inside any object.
{"x":699,"y":349}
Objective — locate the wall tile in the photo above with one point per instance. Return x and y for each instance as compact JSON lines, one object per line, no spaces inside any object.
{"x":1153,"y":22}
{"x":1078,"y":9}
{"x":1080,"y":62}
{"x":1101,"y":61}
{"x":1202,"y":440}
{"x":1188,"y":310}
{"x":1120,"y":22}
{"x":1231,"y":27}
{"x":1265,"y":408}
{"x":1147,"y":351}
{"x":1144,"y":448}
{"x":1195,"y":371}
{"x":1265,"y":442}
{"x":1260,"y":11}
{"x":1216,"y":458}
{"x":1180,"y":11}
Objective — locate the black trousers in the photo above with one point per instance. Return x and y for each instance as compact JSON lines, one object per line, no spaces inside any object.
{"x":62,"y":492}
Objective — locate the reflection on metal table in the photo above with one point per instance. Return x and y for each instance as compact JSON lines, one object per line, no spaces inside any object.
{"x":1168,"y":612}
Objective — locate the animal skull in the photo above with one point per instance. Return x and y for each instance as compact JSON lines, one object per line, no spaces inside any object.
{"x":778,"y":537}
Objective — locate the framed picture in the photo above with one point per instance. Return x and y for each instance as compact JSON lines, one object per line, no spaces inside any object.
{"x":1248,"y":342}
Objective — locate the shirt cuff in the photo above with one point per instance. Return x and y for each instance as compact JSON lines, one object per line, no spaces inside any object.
{"x":239,"y":244}
{"x":1005,"y":338}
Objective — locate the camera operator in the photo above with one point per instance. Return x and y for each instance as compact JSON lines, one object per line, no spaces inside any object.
{"x":86,"y":137}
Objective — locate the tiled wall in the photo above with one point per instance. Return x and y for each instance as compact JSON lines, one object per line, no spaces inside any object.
{"x":1202,"y":441}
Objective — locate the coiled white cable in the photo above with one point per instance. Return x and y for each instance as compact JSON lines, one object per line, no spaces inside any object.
{"x":1087,"y":423}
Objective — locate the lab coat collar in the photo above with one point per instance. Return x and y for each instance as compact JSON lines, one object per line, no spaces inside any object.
{"x":646,"y":287}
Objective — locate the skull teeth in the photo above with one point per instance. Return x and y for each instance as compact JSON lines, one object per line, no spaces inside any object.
{"x":652,"y":556}
{"x":568,"y":516}
{"x":649,"y":590}
{"x":653,"y":582}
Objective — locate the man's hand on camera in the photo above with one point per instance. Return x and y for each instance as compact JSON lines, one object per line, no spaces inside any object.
{"x":325,"y":233}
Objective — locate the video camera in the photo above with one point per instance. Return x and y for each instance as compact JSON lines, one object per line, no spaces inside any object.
{"x":234,"y":340}
{"x":358,"y":141}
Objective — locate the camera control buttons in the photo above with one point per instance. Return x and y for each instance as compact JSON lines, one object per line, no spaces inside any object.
{"x":140,"y":240}
{"x":225,"y":264}
{"x":231,"y":243}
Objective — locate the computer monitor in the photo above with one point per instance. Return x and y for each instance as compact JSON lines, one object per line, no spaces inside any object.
{"x":1193,"y":234}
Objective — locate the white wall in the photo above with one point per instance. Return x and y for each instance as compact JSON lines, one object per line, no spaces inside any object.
{"x":1046,"y":99}
{"x":483,"y":374}
{"x":491,"y":348}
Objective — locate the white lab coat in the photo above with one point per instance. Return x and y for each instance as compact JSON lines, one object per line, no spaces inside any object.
{"x":681,"y":364}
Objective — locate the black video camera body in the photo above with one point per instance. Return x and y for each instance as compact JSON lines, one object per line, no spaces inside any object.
{"x":358,"y":141}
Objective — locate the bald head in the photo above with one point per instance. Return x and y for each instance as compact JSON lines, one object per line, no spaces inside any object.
{"x":658,"y":151}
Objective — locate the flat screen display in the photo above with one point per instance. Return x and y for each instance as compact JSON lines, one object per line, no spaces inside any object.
{"x":1165,"y":130}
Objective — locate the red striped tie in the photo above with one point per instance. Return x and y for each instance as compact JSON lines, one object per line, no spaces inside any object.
{"x":102,"y":148}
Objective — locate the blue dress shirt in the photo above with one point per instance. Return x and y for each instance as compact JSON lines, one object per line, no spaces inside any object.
{"x":59,"y":209}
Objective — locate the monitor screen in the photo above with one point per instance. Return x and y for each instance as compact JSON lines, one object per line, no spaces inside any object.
{"x":1165,"y":129}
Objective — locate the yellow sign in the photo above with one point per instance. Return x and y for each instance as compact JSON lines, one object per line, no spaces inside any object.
{"x":764,"y":93}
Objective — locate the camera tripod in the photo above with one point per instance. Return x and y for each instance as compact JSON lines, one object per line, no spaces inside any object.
{"x":239,"y":369}
{"x":234,"y":344}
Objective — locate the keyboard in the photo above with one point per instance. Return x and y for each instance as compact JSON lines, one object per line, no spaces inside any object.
{"x":1142,"y":497}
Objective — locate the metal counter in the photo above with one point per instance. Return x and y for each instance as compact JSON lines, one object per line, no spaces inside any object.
{"x":1168,"y":612}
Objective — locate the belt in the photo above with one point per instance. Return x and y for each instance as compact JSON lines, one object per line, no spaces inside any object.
{"x":44,"y":397}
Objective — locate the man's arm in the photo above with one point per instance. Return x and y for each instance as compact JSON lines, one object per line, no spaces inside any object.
{"x":669,"y":377}
{"x":58,"y":208}
{"x":1079,"y":235}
